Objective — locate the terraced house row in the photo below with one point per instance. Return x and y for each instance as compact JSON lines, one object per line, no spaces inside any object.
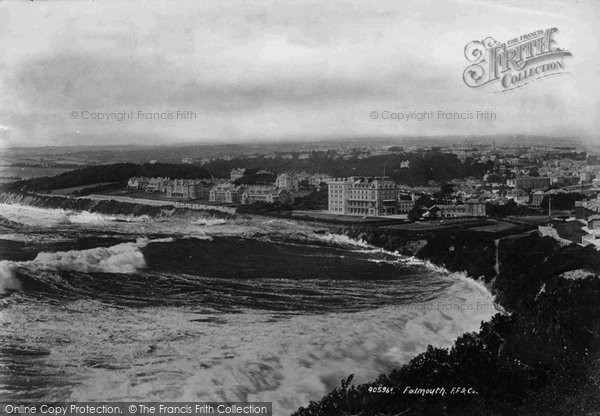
{"x":223,"y":192}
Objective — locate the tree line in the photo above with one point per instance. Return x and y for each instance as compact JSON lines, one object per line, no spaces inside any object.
{"x":413,"y":168}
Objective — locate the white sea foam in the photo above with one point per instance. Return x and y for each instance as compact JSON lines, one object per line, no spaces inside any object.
{"x":48,"y":217}
{"x":209,"y":221}
{"x":577,"y":274}
{"x":255,"y":356}
{"x":7,"y":281}
{"x":86,"y":217}
{"x":236,"y":357}
{"x":342,"y":240}
{"x":122,"y":258}
{"x":199,"y":237}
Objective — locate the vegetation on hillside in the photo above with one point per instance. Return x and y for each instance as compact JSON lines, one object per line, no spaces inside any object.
{"x":119,"y":172}
{"x":563,"y":201}
{"x":422,"y":167}
{"x":508,"y":209}
{"x":256,"y":179}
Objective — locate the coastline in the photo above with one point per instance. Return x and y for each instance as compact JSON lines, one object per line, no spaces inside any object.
{"x":507,"y":363}
{"x":108,"y":205}
{"x":538,"y":357}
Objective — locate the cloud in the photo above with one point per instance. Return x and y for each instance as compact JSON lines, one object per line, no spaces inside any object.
{"x":269,"y":70}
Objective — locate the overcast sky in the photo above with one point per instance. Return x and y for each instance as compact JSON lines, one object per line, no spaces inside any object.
{"x":278,"y":70}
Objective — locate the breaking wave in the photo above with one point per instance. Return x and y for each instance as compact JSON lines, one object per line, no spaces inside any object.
{"x":209,"y":221}
{"x":288,"y":360}
{"x":342,"y":239}
{"x":247,"y":319}
{"x":8,"y":282}
{"x":122,"y":258}
{"x":86,"y":217}
{"x":47,"y":217}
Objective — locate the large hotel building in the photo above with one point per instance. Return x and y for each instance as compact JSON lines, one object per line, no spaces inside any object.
{"x":362,"y":196}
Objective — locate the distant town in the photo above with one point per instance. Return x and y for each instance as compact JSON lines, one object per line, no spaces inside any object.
{"x":402,"y":183}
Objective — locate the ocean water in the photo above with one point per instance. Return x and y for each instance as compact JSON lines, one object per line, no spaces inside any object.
{"x":96,"y":307}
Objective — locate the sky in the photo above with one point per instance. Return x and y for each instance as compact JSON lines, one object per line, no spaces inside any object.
{"x":280,"y":70}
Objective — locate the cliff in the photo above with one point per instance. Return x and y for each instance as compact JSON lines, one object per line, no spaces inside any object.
{"x":541,"y":357}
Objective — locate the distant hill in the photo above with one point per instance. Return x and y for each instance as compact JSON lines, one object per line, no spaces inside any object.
{"x":119,"y":172}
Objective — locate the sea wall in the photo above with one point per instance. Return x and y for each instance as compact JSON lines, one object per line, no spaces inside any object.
{"x":159,"y":203}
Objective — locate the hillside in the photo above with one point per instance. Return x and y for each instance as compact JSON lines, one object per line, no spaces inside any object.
{"x":119,"y":172}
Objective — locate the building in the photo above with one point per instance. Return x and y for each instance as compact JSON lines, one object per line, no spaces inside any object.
{"x":236,"y":174}
{"x":518,"y":195}
{"x":287,"y":181}
{"x":137,"y":182}
{"x":585,"y":209}
{"x":405,"y":203}
{"x":226,"y":193}
{"x":471,"y":208}
{"x":317,"y":179}
{"x":593,"y":231}
{"x":537,"y":197}
{"x":594,"y":222}
{"x":474,"y":208}
{"x":565,"y":180}
{"x":157,"y":185}
{"x":447,"y":211}
{"x":587,"y":177}
{"x":362,"y":196}
{"x":188,"y":189}
{"x":528,"y":183}
{"x":266,"y":193}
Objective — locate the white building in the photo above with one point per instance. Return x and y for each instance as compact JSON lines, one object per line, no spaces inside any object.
{"x":157,"y":185}
{"x":137,"y":182}
{"x":319,"y":178}
{"x":265,"y":193}
{"x":287,"y":181}
{"x":226,"y":193}
{"x":362,"y":196}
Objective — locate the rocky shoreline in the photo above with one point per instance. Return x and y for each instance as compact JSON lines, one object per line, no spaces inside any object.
{"x":539,"y":358}
{"x":108,"y":206}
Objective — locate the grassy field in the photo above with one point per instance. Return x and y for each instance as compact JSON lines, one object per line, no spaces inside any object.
{"x":13,"y":173}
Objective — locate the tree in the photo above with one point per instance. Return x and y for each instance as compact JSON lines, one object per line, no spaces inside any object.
{"x":561,"y":201}
{"x":414,"y":214}
{"x":447,"y":189}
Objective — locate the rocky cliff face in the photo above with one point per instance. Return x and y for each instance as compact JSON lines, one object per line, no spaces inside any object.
{"x":473,"y":252}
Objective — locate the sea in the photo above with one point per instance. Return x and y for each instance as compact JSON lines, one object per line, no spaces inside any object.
{"x":192,"y":307}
